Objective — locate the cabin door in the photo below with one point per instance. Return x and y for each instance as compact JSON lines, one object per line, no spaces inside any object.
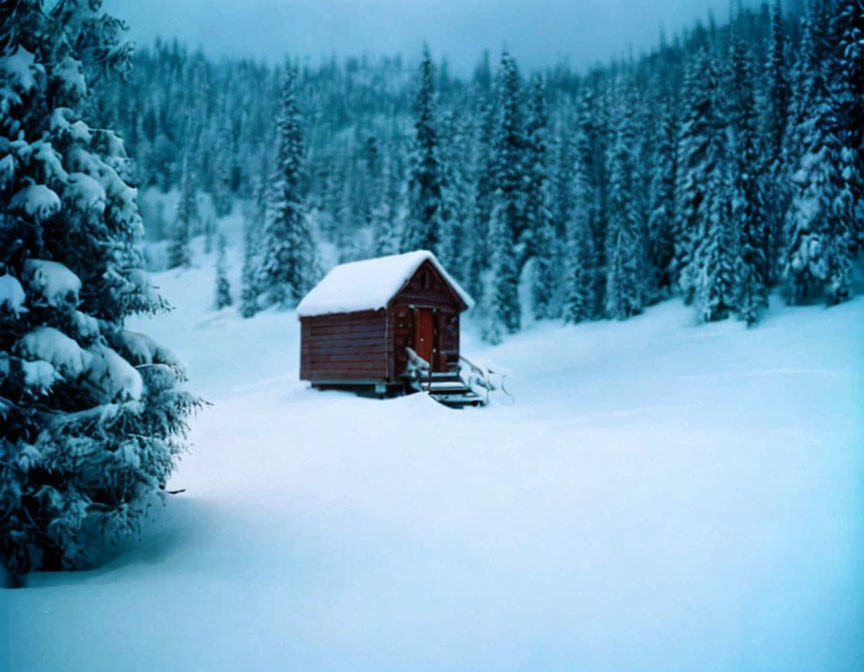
{"x":424,"y":335}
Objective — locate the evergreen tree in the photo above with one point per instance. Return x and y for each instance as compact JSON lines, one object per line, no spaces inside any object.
{"x":209,"y":230}
{"x":502,"y":289}
{"x":717,"y":256}
{"x":777,"y":94}
{"x":748,"y":212}
{"x":507,"y":222}
{"x":562,"y":203}
{"x":537,"y":211}
{"x":509,"y":160}
{"x":249,"y":274}
{"x":774,"y":127}
{"x":484,"y":198}
{"x":388,"y":215}
{"x":423,"y":228}
{"x":255,"y":214}
{"x":453,"y":206}
{"x":223,"y":287}
{"x":222,"y":187}
{"x":580,"y":259}
{"x":179,"y":251}
{"x":92,"y":417}
{"x":625,"y":272}
{"x":849,"y":31}
{"x":820,"y":233}
{"x":589,"y":150}
{"x":288,"y":261}
{"x":699,"y":151}
{"x":661,"y":240}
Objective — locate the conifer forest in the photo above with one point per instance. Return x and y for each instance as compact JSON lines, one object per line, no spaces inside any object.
{"x":720,"y":167}
{"x":593,"y":398}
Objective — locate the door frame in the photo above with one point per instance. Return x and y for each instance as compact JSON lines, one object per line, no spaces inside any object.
{"x":435,"y":316}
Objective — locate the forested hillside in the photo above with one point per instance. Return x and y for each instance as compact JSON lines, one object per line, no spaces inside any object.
{"x":721,"y":166}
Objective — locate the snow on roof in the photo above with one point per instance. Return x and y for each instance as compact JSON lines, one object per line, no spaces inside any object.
{"x":370,"y":284}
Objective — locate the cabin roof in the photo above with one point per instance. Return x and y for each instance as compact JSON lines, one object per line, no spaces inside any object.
{"x":370,"y":284}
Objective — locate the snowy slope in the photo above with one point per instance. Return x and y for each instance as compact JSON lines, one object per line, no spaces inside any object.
{"x":661,"y":496}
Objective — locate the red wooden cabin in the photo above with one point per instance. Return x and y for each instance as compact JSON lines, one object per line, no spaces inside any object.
{"x":359,"y":321}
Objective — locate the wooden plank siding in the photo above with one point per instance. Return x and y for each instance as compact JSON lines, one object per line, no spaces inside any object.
{"x":344,"y":347}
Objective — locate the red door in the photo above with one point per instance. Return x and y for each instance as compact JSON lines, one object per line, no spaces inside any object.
{"x":424,"y":335}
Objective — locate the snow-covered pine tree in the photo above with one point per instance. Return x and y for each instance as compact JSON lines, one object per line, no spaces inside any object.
{"x":748,"y":211}
{"x":578,"y":278}
{"x":452,"y":206}
{"x":249,"y":274}
{"x":776,"y":100}
{"x":185,"y":219}
{"x":484,"y":198}
{"x":562,"y":179}
{"x":509,"y":159}
{"x":350,"y":220}
{"x":387,"y":217}
{"x":717,"y":256}
{"x":840,"y":227}
{"x":542,"y":240}
{"x":819,"y":224}
{"x":254,"y":216}
{"x":209,"y":230}
{"x":461,"y":168}
{"x":508,"y":225}
{"x":423,"y":227}
{"x":625,"y":275}
{"x":579,"y":258}
{"x":849,"y":31}
{"x":589,"y":151}
{"x":775,"y":107}
{"x":800,"y":98}
{"x":222,"y":179}
{"x":501,"y":301}
{"x":288,"y":264}
{"x":699,"y":145}
{"x":92,"y":416}
{"x":223,"y":286}
{"x":661,"y":244}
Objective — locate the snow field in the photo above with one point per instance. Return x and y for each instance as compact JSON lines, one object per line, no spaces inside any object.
{"x":661,"y":496}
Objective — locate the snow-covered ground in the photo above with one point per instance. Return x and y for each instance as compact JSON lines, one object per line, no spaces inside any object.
{"x":661,"y":496}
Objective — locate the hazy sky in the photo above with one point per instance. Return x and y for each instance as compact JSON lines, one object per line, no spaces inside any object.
{"x":538,"y":32}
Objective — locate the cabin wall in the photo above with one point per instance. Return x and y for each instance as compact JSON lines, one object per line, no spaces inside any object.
{"x":347,"y":347}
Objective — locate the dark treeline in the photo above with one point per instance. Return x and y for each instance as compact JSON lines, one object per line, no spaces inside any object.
{"x":720,"y":166}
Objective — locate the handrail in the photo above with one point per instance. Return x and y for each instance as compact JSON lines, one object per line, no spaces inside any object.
{"x":481,"y":376}
{"x":417,"y":365}
{"x":486,"y":381}
{"x":486,"y":384}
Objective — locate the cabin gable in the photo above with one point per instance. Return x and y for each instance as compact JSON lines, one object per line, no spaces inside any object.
{"x":427,"y":289}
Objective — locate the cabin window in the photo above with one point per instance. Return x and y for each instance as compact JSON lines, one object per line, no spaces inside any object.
{"x":425,"y":280}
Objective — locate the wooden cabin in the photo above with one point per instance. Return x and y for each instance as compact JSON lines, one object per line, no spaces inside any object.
{"x":358,"y":323}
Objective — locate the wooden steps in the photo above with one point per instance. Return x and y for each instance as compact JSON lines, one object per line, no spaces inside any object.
{"x":448,"y":388}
